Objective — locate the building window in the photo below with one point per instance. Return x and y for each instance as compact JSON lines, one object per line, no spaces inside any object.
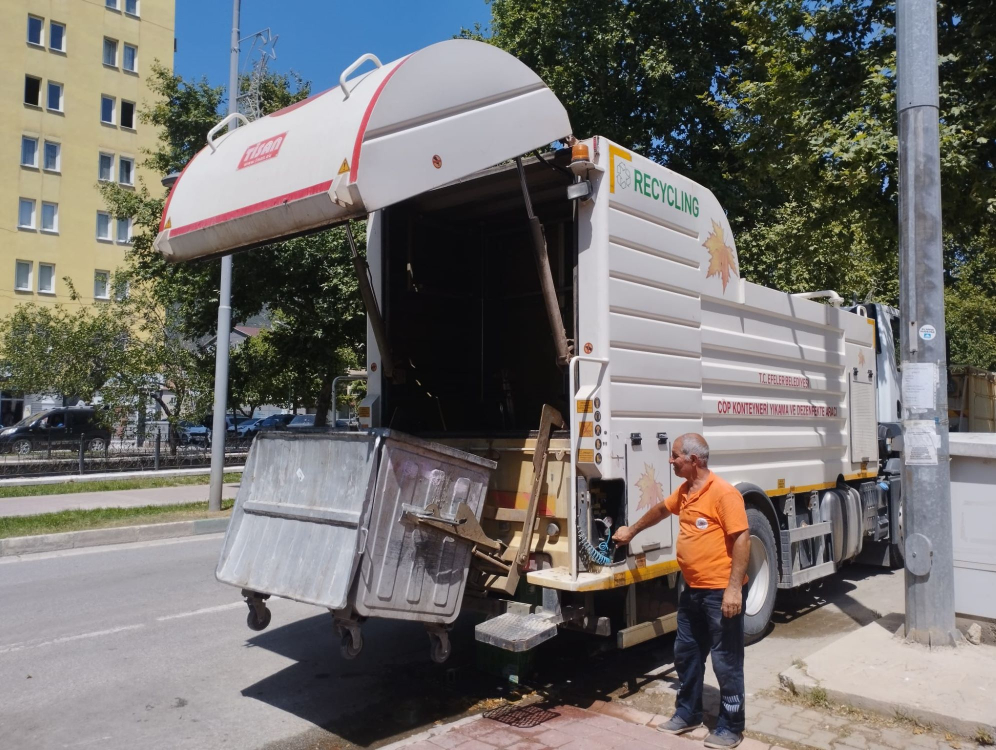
{"x":128,"y":114}
{"x":110,"y":52}
{"x":29,"y":151}
{"x":101,"y":284}
{"x":130,"y":60}
{"x":124,"y":231}
{"x":103,"y":226}
{"x":36,"y":28}
{"x":131,"y":7}
{"x":53,"y":156}
{"x":121,"y":290}
{"x":126,"y":171}
{"x":55,"y":96}
{"x":105,"y":170}
{"x":57,"y":36}
{"x":22,"y":276}
{"x":26,"y":214}
{"x":32,"y":91}
{"x":112,"y":4}
{"x":46,"y":278}
{"x":107,"y":109}
{"x":50,"y":217}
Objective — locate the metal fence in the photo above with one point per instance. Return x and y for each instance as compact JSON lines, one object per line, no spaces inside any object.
{"x":131,"y":447}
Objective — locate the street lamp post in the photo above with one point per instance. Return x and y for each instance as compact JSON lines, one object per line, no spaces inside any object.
{"x":224,"y":304}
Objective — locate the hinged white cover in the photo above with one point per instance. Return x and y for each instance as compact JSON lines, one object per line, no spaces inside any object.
{"x":438,"y":115}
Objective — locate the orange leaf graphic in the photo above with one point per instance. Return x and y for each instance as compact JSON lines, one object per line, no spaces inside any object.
{"x":651,"y":491}
{"x":722,"y":261}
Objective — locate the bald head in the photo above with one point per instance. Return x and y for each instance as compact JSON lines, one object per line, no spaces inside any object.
{"x":693,"y":444}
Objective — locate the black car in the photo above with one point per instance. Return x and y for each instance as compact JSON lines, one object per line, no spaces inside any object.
{"x":272,"y":422}
{"x":59,"y":428}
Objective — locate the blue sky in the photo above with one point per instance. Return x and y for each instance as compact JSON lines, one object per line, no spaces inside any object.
{"x":318,"y":38}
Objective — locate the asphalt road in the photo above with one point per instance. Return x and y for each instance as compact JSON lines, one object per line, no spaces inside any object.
{"x":139,"y":646}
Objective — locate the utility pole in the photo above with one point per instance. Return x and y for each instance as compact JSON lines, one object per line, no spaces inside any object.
{"x":926,"y":481}
{"x":218,"y":428}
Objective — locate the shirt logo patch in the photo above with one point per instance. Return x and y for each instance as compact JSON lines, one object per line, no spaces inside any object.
{"x":701,"y":523}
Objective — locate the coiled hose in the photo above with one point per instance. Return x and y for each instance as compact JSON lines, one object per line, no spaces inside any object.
{"x":602,"y":554}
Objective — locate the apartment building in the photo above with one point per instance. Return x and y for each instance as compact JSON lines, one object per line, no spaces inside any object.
{"x":72,"y":78}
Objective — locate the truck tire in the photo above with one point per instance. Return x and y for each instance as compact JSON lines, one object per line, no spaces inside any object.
{"x":762,"y":570}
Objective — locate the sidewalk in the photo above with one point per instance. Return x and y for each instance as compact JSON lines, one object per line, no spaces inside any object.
{"x":542,"y":726}
{"x":34,"y":504}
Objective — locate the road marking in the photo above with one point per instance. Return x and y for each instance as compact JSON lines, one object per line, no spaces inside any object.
{"x":68,"y":639}
{"x":205,"y":611}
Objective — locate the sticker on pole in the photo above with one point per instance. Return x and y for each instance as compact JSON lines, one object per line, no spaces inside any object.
{"x":928,"y":332}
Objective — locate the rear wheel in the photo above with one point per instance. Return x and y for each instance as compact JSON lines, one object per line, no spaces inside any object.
{"x":762,"y":572}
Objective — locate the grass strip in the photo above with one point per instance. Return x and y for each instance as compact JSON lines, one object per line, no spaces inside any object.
{"x":104,"y":518}
{"x":105,"y":485}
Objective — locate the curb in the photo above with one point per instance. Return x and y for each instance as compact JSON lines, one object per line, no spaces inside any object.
{"x":798,"y":682}
{"x":103,"y":477}
{"x":429,"y":733}
{"x":27,"y":545}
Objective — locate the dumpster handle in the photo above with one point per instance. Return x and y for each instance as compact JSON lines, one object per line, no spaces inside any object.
{"x":359,"y":61}
{"x":223,"y":123}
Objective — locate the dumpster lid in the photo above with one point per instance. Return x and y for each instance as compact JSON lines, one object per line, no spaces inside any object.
{"x":435,"y":116}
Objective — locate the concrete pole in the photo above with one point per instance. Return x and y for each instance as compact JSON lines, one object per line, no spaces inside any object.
{"x":926,"y":473}
{"x":218,"y":428}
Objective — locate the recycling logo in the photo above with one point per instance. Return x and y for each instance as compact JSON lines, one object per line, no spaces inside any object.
{"x":624,"y":177}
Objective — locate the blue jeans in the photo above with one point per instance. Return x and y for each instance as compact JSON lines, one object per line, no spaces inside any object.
{"x":703,"y":629}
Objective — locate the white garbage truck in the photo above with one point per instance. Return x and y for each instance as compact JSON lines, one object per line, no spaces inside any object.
{"x":545,"y":316}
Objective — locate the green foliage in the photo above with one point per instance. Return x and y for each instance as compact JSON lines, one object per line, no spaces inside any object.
{"x":305,"y":286}
{"x":786,"y":110}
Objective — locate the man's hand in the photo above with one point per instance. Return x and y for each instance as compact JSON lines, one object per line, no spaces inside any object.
{"x":732,"y":601}
{"x":623,"y":536}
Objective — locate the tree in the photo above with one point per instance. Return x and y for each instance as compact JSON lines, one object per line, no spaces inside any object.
{"x":123,"y":352}
{"x":786,"y":109}
{"x":306,"y":286}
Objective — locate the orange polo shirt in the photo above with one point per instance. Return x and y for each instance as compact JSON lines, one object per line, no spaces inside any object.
{"x":708,"y":521}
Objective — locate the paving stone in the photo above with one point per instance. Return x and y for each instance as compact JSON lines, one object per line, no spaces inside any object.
{"x":798,"y":724}
{"x":877,"y":746}
{"x":448,"y":740}
{"x":766,"y":725}
{"x":852,"y":740}
{"x":834,"y":721}
{"x":892,"y":738}
{"x":626,"y":713}
{"x":820,"y":739}
{"x":784,"y":712}
{"x":658,"y":719}
{"x":477,"y":728}
{"x":698,"y":734}
{"x":500,"y":737}
{"x":527,"y":745}
{"x":553,"y":738}
{"x":812,"y":715}
{"x":789,"y":734}
{"x":926,"y":740}
{"x":750,"y":743}
{"x":471,"y":744}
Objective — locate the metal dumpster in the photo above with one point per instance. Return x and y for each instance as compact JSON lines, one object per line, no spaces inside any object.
{"x":316,"y":506}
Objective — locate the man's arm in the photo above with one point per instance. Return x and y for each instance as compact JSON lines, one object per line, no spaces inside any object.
{"x":733,"y":595}
{"x":625,"y":534}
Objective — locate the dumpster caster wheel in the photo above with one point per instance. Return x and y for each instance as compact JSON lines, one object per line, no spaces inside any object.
{"x":440,"y":648}
{"x":259,"y":618}
{"x":351,"y":645}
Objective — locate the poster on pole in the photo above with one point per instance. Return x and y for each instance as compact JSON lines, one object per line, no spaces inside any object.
{"x":920,"y":442}
{"x":919,"y":386}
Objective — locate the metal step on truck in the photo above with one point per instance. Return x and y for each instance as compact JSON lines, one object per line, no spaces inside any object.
{"x":541,"y":326}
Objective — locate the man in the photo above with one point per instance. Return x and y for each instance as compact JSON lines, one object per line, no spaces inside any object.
{"x":713,"y":549}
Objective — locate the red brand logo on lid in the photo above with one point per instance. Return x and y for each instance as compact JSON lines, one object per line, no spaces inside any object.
{"x":262,"y":151}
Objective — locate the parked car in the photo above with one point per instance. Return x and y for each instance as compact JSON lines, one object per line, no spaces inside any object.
{"x":302,"y":420}
{"x":273,"y":422}
{"x":59,"y":428}
{"x":249,"y":428}
{"x":193,"y":434}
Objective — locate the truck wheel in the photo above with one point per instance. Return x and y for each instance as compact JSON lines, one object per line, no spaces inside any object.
{"x":762,"y":571}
